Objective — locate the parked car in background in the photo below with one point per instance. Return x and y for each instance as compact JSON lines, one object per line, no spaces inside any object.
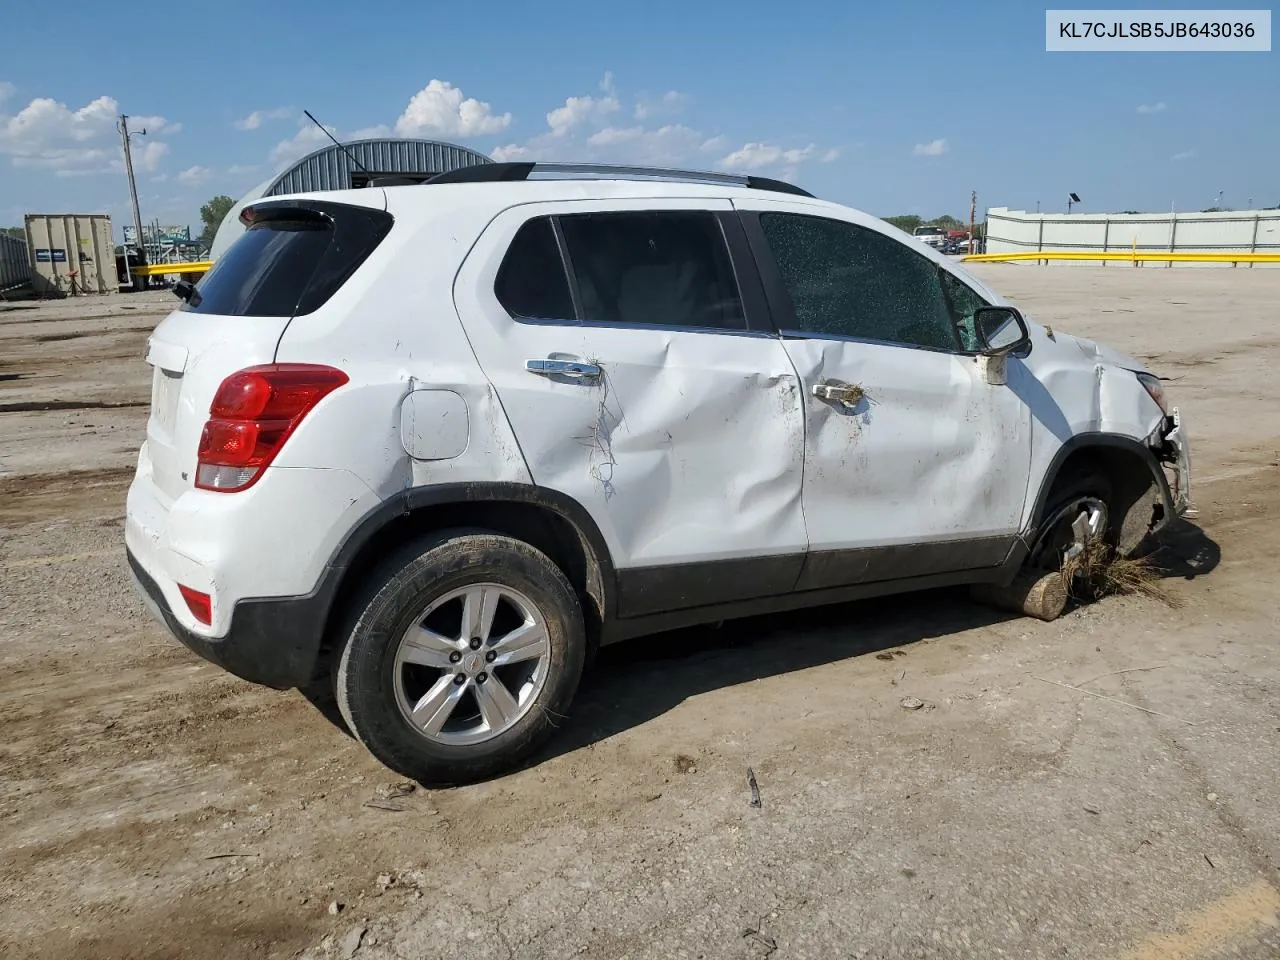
{"x":427,"y":447}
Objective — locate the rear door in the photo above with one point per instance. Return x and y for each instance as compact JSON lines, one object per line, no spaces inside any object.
{"x":619,"y":336}
{"x":294,"y":255}
{"x":914,"y":464}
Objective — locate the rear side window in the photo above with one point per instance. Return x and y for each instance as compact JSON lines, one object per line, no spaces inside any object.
{"x":290,"y":261}
{"x":531,"y":283}
{"x":662,"y":267}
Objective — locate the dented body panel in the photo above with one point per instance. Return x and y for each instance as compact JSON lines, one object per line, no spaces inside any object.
{"x":930,"y":453}
{"x":688,"y":447}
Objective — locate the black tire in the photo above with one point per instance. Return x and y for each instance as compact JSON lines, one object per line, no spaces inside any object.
{"x":1067,"y":489}
{"x":396,"y":596}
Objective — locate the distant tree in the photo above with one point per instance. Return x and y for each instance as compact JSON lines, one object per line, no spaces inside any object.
{"x":947,"y":222}
{"x":19,"y":232}
{"x":907,"y":222}
{"x":212,"y":214}
{"x":1129,"y":213}
{"x":1212,"y":210}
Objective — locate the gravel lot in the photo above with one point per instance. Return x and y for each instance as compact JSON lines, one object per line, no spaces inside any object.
{"x":152,"y":806}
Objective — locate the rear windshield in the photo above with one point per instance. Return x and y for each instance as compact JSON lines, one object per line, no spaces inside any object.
{"x":290,"y":262}
{"x":929,"y":230}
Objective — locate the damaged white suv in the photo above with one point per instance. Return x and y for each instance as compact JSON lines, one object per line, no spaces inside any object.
{"x":438,"y":442}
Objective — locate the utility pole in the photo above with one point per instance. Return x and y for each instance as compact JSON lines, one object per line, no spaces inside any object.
{"x":973,"y":209}
{"x":133,"y":188}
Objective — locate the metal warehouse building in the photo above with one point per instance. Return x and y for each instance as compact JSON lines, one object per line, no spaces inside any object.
{"x":330,"y":168}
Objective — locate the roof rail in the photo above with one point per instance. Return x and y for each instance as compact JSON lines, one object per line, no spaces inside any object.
{"x":508,"y":172}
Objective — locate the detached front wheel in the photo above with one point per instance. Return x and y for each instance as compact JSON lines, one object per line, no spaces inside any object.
{"x":465,"y":656}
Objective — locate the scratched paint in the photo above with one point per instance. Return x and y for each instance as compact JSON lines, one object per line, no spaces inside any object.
{"x":931,"y":452}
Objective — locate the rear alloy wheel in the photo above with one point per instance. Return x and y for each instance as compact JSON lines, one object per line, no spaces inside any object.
{"x":473,"y":664}
{"x":466,"y":652}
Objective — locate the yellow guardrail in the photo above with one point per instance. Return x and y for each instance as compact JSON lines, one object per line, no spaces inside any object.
{"x":1129,"y":256}
{"x":160,"y":269}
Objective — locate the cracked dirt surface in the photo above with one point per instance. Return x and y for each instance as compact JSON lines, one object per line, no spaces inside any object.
{"x":153,"y":807}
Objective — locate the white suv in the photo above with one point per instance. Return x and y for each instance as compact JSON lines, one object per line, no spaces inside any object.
{"x":436,"y":443}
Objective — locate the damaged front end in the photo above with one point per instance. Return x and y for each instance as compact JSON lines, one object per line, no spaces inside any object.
{"x":1168,"y":442}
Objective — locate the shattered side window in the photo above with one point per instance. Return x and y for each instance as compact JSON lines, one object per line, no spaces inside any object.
{"x":847,"y":281}
{"x":964,"y":301}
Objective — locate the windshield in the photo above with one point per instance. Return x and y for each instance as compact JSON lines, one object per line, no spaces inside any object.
{"x":921,"y":231}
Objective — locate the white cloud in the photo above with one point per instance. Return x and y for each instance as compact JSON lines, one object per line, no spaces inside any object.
{"x":300,"y":144}
{"x":669,"y":104}
{"x":50,"y":135}
{"x":370,"y":133}
{"x":580,"y":110}
{"x":7,"y":90}
{"x":256,"y":119}
{"x":194,"y":176}
{"x":934,"y":148}
{"x":243,"y":170}
{"x":509,"y":153}
{"x":1184,"y":155}
{"x":1158,"y":107}
{"x":580,"y":129}
{"x":754,"y":156}
{"x":611,"y":136}
{"x":440,"y":108}
{"x":831,"y":155}
{"x":149,"y":157}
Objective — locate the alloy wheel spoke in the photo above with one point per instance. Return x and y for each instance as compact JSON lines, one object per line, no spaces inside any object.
{"x":432,"y":712}
{"x":497,"y":705}
{"x":526,"y":642}
{"x":479,"y":604}
{"x":428,"y":648}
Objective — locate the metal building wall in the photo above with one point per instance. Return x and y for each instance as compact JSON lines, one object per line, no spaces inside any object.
{"x":1244,"y":231}
{"x":330,"y":168}
{"x":15,"y":262}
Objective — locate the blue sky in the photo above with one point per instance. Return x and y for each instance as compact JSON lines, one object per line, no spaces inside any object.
{"x":893,"y":108}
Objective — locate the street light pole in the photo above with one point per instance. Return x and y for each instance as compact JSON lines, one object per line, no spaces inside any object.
{"x":133,"y":190}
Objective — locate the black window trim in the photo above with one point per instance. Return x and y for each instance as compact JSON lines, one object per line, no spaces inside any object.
{"x":779,"y":301}
{"x":757,"y":320}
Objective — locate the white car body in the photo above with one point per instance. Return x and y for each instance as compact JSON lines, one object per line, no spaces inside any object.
{"x":701,"y":473}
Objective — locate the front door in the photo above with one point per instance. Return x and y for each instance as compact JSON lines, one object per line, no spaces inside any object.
{"x":617,"y":339}
{"x":914,"y":464}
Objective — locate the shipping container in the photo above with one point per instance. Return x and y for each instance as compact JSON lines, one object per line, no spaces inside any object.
{"x":71,"y":254}
{"x":15,"y":263}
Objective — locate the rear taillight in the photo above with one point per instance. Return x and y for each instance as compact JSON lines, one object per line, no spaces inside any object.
{"x":252,"y":415}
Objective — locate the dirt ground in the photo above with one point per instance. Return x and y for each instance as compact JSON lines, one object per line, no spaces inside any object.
{"x":1100,"y":787}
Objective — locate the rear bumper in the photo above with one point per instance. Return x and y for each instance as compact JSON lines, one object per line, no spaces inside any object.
{"x":275,"y":642}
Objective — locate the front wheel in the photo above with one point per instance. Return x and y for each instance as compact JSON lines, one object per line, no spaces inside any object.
{"x":465,"y":655}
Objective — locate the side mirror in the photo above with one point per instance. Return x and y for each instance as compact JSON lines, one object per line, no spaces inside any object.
{"x":183,"y":289}
{"x":1000,"y":330}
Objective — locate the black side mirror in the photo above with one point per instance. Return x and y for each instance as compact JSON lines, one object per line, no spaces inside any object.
{"x":1000,"y":330}
{"x":186,"y":290}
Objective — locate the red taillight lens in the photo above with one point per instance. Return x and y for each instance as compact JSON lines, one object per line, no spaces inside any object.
{"x":252,"y":415}
{"x":200,"y":604}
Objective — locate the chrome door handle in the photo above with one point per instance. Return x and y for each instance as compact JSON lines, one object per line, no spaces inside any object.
{"x":839,"y":392}
{"x":575,"y":369}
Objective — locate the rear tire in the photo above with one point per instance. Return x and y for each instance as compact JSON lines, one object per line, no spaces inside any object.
{"x":466,"y":651}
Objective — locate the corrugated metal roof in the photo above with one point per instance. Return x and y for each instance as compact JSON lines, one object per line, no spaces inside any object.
{"x":329,"y":168}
